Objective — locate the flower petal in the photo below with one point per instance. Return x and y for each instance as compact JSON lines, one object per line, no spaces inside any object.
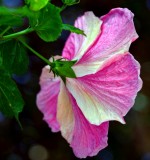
{"x":117,"y":33}
{"x":47,"y":98}
{"x":84,"y":138}
{"x":65,"y":114}
{"x":77,"y":45}
{"x":109,"y":93}
{"x":88,"y":139}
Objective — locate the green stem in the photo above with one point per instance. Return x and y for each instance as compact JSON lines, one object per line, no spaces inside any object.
{"x":63,"y":7}
{"x":15,"y":35}
{"x":36,"y":53}
{"x":4,"y":31}
{"x":17,"y":118}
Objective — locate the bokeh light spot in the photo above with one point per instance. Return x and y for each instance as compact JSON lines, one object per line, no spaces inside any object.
{"x":12,"y":3}
{"x":22,"y":79}
{"x":2,"y":118}
{"x":141,"y":102}
{"x":38,"y":152}
{"x":146,"y":156}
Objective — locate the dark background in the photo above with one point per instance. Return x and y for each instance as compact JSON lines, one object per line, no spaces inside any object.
{"x":36,"y":141}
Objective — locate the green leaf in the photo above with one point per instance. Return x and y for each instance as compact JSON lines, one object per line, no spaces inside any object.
{"x":18,"y":12}
{"x":7,"y":17}
{"x":73,"y":29}
{"x":11,"y":102}
{"x":11,"y":20}
{"x":37,"y":5}
{"x":13,"y":56}
{"x":48,"y":26}
{"x":14,"y":17}
{"x":70,"y":2}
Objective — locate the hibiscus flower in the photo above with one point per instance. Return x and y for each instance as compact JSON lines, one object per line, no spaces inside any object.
{"x":106,"y":85}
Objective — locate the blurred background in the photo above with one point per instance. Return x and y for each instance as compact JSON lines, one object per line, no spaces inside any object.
{"x":36,"y":141}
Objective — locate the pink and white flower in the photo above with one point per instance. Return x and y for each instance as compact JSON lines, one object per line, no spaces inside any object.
{"x":106,"y":85}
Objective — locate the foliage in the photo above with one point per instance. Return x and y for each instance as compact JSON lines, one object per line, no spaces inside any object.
{"x":48,"y":25}
{"x":45,"y":19}
{"x":11,"y":103}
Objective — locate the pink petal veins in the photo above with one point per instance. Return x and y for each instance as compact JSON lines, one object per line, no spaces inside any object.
{"x":109,"y":93}
{"x":88,"y":139}
{"x":47,"y":98}
{"x":84,"y":138}
{"x":106,"y":85}
{"x":77,"y":45}
{"x":117,"y":33}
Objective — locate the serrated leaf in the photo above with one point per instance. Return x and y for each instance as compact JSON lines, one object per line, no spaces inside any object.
{"x":49,"y":24}
{"x":37,"y":5}
{"x":13,"y":56}
{"x":73,"y":29}
{"x":11,"y":102}
{"x":70,"y":2}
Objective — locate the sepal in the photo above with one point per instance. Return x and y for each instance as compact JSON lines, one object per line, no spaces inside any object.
{"x":63,"y":68}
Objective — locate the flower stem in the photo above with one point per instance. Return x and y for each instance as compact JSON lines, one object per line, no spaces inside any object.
{"x":4,"y":31}
{"x":63,"y":7}
{"x":36,"y":53}
{"x":15,"y":35}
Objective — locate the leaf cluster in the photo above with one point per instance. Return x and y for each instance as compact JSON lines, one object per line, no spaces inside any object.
{"x":45,"y":19}
{"x":12,"y":60}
